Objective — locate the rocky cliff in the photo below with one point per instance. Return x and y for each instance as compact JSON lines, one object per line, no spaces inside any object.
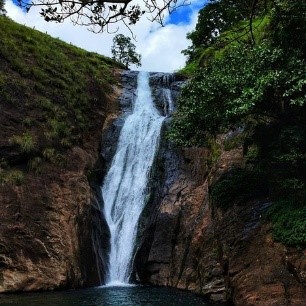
{"x":51,"y":126}
{"x":48,"y":223}
{"x":52,"y":234}
{"x":229,"y":255}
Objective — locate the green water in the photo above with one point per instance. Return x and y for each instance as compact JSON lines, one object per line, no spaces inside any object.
{"x":108,"y":296}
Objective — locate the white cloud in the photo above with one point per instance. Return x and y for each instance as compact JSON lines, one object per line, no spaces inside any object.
{"x":160,"y":46}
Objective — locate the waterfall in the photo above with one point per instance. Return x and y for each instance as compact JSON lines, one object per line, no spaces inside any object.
{"x":167,"y":79}
{"x":124,"y":188}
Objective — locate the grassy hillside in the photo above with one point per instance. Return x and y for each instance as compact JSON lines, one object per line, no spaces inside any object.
{"x":50,"y":93}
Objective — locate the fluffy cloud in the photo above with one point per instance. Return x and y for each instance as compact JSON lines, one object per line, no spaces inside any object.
{"x":160,"y":47}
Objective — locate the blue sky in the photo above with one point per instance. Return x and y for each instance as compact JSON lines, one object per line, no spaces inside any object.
{"x":184,"y":13}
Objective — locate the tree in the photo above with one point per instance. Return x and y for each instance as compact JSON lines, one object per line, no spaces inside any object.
{"x":2,"y":10}
{"x":248,"y":83}
{"x":217,"y":17}
{"x":123,"y":51}
{"x":98,"y":15}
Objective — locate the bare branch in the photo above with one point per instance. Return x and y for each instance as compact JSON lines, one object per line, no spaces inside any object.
{"x":100,"y":15}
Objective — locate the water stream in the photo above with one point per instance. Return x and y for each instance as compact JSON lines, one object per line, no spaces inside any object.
{"x":125,"y":186}
{"x":166,"y":88}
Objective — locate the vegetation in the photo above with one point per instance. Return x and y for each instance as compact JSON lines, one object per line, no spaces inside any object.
{"x":289,"y":222}
{"x":11,"y":177}
{"x":218,"y":17}
{"x":25,"y":141}
{"x":248,"y":72}
{"x":49,"y":95}
{"x":123,"y":51}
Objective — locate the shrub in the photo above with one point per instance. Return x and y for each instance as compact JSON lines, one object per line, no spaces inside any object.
{"x":289,"y":222}
{"x":11,"y":177}
{"x":25,"y":141}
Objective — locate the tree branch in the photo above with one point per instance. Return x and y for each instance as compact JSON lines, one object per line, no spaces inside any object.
{"x":99,"y":15}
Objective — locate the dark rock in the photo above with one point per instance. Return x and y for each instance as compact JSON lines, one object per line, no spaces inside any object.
{"x":189,"y":244}
{"x":49,"y":223}
{"x":165,"y":86}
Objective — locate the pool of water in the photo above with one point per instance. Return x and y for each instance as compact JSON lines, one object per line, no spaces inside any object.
{"x":112,"y":296}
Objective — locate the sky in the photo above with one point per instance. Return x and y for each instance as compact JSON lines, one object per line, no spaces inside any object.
{"x":160,"y":47}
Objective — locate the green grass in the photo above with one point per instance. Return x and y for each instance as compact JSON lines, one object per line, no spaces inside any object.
{"x":25,"y":142}
{"x":53,"y":88}
{"x":11,"y":177}
{"x":189,"y":69}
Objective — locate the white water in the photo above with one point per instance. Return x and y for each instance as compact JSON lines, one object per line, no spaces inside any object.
{"x":168,"y":102}
{"x":124,"y":188}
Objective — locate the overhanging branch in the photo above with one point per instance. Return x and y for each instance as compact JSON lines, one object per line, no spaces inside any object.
{"x":99,"y":15}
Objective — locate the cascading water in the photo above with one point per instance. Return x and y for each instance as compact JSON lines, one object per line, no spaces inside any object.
{"x":124,"y":188}
{"x":166,"y":87}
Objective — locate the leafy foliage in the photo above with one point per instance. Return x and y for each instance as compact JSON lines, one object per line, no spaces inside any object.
{"x":123,"y":51}
{"x":260,"y":88}
{"x":288,"y":25}
{"x":282,"y":154}
{"x":289,"y":222}
{"x":265,"y":81}
{"x":217,"y":17}
{"x":259,"y":81}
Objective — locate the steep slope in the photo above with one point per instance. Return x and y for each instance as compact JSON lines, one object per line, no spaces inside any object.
{"x":55,"y":101}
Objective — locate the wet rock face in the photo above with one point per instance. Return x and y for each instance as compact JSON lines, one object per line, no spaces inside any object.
{"x":112,"y":132}
{"x":189,"y":244}
{"x":160,"y":83}
{"x":129,"y":84}
{"x":45,"y":230}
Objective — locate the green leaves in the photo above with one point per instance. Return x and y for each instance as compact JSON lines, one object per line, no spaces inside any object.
{"x":259,"y":81}
{"x":289,"y":222}
{"x":123,"y":51}
{"x":216,"y":18}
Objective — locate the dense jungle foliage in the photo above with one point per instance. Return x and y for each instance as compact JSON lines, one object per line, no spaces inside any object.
{"x":247,"y":68}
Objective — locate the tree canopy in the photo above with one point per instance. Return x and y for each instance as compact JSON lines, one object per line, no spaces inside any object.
{"x":99,"y":15}
{"x":123,"y":51}
{"x":218,"y":16}
{"x":243,"y":81}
